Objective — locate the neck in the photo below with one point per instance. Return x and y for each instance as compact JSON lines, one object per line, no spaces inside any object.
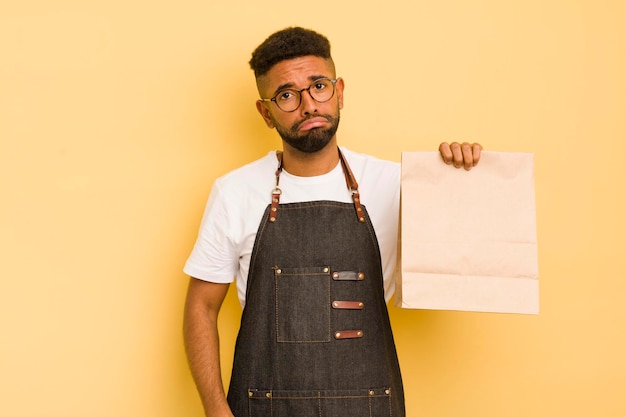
{"x":304,"y":164}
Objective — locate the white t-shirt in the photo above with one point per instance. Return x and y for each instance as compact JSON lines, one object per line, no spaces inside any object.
{"x":238,"y":200}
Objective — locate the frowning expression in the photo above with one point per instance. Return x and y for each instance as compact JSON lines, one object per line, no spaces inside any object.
{"x":312,"y":125}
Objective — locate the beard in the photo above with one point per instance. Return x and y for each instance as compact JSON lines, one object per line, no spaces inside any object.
{"x":312,"y":141}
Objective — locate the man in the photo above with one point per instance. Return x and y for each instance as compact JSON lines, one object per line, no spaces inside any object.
{"x":310,"y":233}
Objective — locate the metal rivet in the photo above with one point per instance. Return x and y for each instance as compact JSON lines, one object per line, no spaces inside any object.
{"x":272,"y":219}
{"x":250,"y":394}
{"x":338,"y":335}
{"x":359,"y":209}
{"x":268,"y":395}
{"x":361,"y":305}
{"x":335,"y":304}
{"x":325,"y":269}
{"x":388,"y":391}
{"x":336,"y":275}
{"x":372,"y":392}
{"x":279,"y":271}
{"x":274,"y":200}
{"x":274,"y":209}
{"x":361,"y":275}
{"x":359,"y":334}
{"x":362,"y":219}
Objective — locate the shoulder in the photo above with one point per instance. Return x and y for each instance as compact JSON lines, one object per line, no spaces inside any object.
{"x":372,"y":172}
{"x":368,"y":163}
{"x":243,"y":192}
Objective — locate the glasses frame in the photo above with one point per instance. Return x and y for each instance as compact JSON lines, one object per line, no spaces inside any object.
{"x":300,"y":91}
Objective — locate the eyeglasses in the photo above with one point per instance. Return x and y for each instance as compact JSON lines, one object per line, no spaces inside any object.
{"x":289,"y":99}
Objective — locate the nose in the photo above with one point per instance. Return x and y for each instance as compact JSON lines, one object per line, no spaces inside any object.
{"x":308,"y":104}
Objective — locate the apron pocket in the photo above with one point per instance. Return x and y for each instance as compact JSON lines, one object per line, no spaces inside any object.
{"x":302,"y":304}
{"x":329,"y":403}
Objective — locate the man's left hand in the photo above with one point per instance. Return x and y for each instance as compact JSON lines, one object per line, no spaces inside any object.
{"x":464,"y":154}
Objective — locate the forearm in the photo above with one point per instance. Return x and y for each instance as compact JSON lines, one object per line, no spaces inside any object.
{"x":202,"y":347}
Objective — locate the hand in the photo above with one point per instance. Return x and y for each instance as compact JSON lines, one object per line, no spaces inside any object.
{"x":464,"y":155}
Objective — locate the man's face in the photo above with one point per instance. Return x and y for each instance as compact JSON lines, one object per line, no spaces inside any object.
{"x":312,"y":125}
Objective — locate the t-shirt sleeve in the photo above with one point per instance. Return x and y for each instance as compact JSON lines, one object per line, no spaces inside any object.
{"x":214,"y":257}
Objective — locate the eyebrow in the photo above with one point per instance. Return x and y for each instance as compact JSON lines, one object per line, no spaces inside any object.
{"x":293,"y":86}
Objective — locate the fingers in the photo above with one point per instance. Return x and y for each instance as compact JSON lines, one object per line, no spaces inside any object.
{"x":464,"y":155}
{"x":476,"y":151}
{"x":446,"y":152}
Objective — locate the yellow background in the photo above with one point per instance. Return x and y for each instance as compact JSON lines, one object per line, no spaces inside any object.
{"x":116,"y":116}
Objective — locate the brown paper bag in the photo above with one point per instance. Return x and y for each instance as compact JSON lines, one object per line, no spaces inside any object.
{"x":468,"y":239}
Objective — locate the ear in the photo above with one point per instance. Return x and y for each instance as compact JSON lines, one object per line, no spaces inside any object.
{"x":339,"y":91}
{"x":265,"y":113}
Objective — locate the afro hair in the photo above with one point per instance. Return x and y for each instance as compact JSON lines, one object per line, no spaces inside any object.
{"x":286,"y":44}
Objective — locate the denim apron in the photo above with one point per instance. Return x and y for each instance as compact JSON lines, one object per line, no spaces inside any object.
{"x":315,"y":338}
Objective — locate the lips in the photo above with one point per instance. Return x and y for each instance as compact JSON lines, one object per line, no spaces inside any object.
{"x":313,"y":123}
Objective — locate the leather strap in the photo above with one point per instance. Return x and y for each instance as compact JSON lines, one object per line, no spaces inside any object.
{"x":276,"y":192}
{"x":348,"y":305}
{"x":348,"y":276}
{"x":353,"y":186}
{"x":348,"y":334}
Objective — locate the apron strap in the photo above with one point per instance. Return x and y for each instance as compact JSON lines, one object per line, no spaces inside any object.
{"x":353,"y":186}
{"x":276,"y":192}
